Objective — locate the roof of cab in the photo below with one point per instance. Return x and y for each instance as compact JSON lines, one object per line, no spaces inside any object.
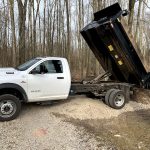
{"x":51,"y":58}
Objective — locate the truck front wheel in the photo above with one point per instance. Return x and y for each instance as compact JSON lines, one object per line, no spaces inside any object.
{"x":10,"y":107}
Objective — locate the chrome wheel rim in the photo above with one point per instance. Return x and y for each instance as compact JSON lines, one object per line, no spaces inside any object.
{"x":7,"y":108}
{"x":119,"y":100}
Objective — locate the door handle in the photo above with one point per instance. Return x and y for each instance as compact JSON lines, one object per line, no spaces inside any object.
{"x":60,"y":77}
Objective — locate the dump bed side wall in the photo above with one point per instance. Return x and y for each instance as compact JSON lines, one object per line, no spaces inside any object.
{"x":101,"y":53}
{"x":129,"y":50}
{"x":132,"y":40}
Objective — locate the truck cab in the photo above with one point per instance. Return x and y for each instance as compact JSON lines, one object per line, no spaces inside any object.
{"x":38,"y":80}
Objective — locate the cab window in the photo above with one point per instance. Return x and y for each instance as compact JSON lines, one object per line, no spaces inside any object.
{"x":50,"y":66}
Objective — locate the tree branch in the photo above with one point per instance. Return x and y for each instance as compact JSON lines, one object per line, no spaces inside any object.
{"x":146,"y":4}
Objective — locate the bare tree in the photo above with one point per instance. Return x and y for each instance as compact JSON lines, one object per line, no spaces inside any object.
{"x":21,"y":22}
{"x":138,"y":20}
{"x":14,"y":46}
{"x":131,"y":14}
{"x":68,"y":29}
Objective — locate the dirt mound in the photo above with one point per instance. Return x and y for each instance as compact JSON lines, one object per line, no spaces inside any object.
{"x":141,"y":96}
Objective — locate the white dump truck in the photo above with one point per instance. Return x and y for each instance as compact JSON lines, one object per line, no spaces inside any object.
{"x":48,"y":79}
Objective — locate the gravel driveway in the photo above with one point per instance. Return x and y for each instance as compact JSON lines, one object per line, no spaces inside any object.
{"x":76,"y":124}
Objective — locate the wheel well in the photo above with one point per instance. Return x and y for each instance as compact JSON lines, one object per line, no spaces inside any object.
{"x":12,"y":91}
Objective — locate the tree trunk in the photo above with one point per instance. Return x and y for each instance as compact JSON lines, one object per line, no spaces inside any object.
{"x":131,"y":14}
{"x":14,"y":48}
{"x":21,"y":22}
{"x":68,"y":29}
{"x":138,"y":21}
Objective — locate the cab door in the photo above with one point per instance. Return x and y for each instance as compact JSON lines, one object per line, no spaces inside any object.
{"x":49,"y":83}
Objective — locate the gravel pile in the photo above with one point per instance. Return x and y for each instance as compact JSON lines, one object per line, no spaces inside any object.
{"x":87,"y":108}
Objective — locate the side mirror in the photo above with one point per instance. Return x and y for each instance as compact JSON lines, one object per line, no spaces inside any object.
{"x":35,"y":72}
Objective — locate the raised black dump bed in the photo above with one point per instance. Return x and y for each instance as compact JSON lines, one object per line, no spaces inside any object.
{"x":112,"y":47}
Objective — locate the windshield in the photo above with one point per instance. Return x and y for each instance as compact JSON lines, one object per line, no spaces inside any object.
{"x":27,"y":64}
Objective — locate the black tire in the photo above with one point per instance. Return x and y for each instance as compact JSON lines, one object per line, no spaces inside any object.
{"x":117,"y":99}
{"x":108,"y":95}
{"x":10,"y":107}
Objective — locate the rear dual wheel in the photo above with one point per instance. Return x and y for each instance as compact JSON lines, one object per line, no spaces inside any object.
{"x":115,"y":98}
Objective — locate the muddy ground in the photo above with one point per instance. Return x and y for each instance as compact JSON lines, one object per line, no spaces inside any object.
{"x":128,"y":131}
{"x":79,"y":123}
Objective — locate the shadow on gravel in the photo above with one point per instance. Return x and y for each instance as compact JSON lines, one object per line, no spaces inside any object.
{"x":129,"y":131}
{"x":48,"y":104}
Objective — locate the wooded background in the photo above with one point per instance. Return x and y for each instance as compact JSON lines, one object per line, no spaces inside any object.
{"x":31,"y":28}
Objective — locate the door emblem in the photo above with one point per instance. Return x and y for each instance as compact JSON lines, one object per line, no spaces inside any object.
{"x":23,"y":82}
{"x":35,"y":91}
